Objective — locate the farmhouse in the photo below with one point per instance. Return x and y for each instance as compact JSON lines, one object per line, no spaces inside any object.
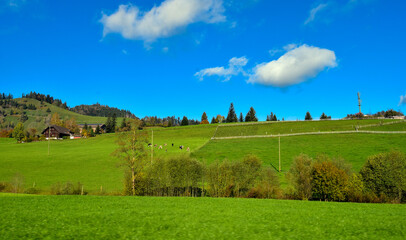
{"x":57,"y":132}
{"x":93,"y":126}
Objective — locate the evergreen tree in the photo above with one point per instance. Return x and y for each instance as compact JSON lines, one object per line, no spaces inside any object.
{"x":231,"y":116}
{"x":123,"y":125}
{"x":48,"y":110}
{"x":241,"y":117}
{"x":108,"y":125}
{"x":97,"y":130}
{"x":23,"y":117}
{"x":323,"y":116}
{"x":114,"y":122}
{"x":308,"y":117}
{"x":185,"y":121}
{"x":213,"y":120}
{"x":274,"y":118}
{"x":251,"y":116}
{"x":86,"y":127}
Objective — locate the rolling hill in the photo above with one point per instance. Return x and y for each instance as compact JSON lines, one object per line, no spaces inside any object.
{"x":90,"y":162}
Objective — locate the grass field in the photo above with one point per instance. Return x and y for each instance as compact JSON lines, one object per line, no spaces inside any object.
{"x":274,"y":128}
{"x":93,"y":217}
{"x":89,"y":161}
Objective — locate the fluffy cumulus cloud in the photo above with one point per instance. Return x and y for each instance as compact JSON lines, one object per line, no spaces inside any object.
{"x":235,"y":67}
{"x":314,"y":11}
{"x":402,"y":100}
{"x":297,"y":65}
{"x":163,"y":20}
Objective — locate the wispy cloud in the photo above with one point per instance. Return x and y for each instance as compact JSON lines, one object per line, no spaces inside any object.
{"x":235,"y":67}
{"x":333,"y":8}
{"x":402,"y":100}
{"x":162,"y":21}
{"x":314,"y":11}
{"x":297,"y":65}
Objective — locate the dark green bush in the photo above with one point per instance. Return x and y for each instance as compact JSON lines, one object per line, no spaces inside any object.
{"x":385,"y":176}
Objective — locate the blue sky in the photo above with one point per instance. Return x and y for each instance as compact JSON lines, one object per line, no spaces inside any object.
{"x":184,"y":57}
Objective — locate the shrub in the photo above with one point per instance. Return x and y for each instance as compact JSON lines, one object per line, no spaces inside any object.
{"x":328,"y":181}
{"x":300,"y":177}
{"x":68,"y":189}
{"x":385,"y":176}
{"x":5,"y":187}
{"x":32,"y":190}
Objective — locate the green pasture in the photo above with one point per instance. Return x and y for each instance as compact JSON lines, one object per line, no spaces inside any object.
{"x":109,"y":217}
{"x":274,"y":128}
{"x":89,"y":161}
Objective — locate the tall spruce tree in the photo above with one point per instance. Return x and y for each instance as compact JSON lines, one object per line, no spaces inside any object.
{"x":231,"y":116}
{"x":241,"y":117}
{"x":308,"y":117}
{"x":213,"y":120}
{"x":185,"y":121}
{"x":251,"y":116}
{"x":114,"y":122}
{"x":108,"y":125}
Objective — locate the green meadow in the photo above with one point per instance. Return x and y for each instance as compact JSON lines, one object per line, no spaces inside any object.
{"x":114,"y":217}
{"x":89,"y":161}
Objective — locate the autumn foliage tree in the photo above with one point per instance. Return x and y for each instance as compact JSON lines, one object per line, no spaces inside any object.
{"x":133,"y":157}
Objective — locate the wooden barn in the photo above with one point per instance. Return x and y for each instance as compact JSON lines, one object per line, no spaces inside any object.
{"x":57,"y":132}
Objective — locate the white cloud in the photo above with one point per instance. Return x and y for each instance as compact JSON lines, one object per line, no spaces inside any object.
{"x":235,"y":67}
{"x":165,"y":49}
{"x":314,"y":11}
{"x":124,"y":52}
{"x":295,"y":66}
{"x":402,"y":100}
{"x":162,"y":21}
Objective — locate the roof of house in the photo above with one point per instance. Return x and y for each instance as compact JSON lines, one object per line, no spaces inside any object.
{"x":59,"y":129}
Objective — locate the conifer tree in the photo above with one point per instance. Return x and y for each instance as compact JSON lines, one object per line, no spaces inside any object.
{"x":231,"y":116}
{"x":97,"y":130}
{"x":114,"y":122}
{"x":185,"y":121}
{"x":108,"y":125}
{"x":308,"y":117}
{"x":241,"y":117}
{"x":251,"y":116}
{"x":213,"y":120}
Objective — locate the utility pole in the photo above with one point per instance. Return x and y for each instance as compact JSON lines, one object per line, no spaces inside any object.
{"x":279,"y":153}
{"x":49,"y":136}
{"x":152,"y":147}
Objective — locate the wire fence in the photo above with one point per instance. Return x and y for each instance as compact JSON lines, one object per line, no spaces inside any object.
{"x":308,"y":133}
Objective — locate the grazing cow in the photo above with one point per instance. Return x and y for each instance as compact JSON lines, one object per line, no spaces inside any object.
{"x":172,"y":144}
{"x":188,"y":149}
{"x":149,"y":144}
{"x":165,"y":144}
{"x":181,"y":147}
{"x":155,"y":145}
{"x":160,"y":147}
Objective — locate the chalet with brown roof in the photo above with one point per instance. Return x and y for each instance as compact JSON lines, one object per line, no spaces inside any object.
{"x":57,"y":132}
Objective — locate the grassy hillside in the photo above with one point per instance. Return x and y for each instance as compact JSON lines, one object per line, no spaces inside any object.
{"x":92,"y":217}
{"x":37,"y":118}
{"x":89,"y":160}
{"x":274,"y":128}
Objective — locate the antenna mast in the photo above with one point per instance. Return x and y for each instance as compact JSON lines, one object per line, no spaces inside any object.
{"x":359,"y":102}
